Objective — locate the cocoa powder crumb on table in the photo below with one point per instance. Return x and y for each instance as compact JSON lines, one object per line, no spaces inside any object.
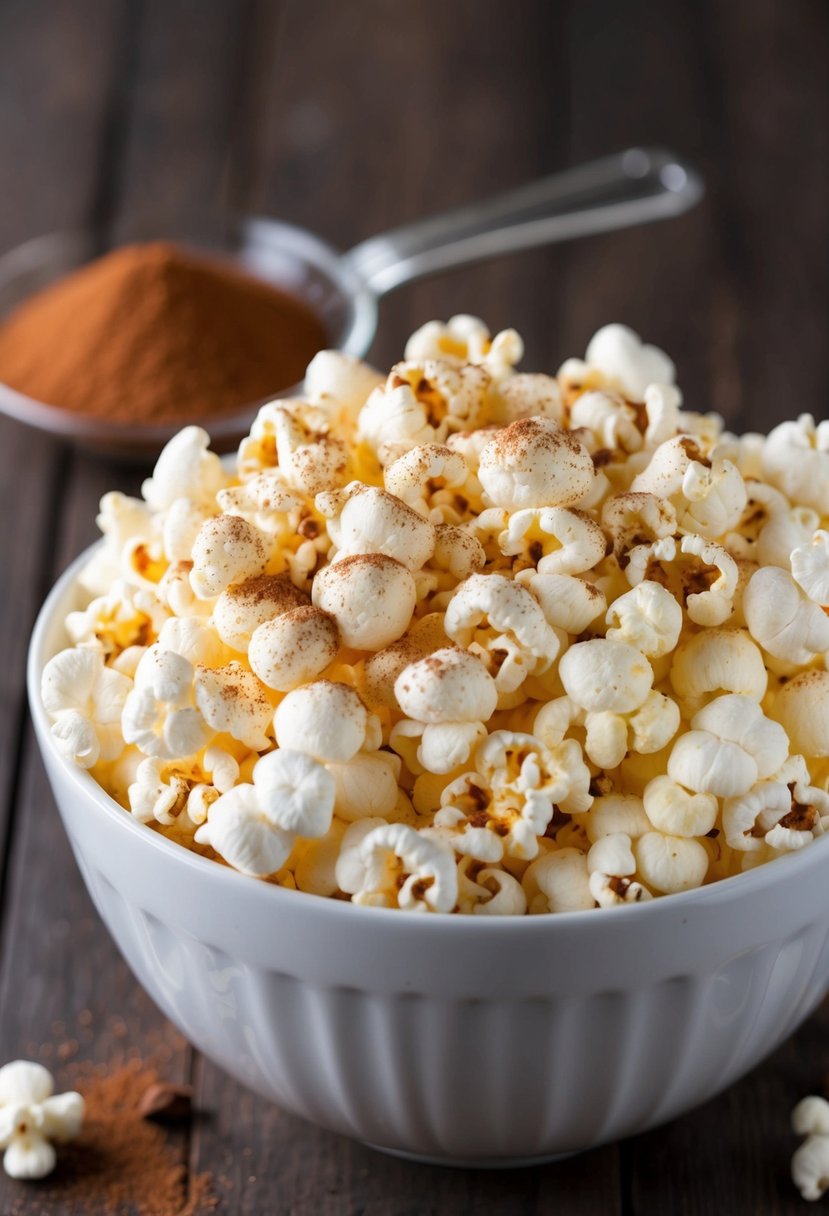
{"x":121,"y":1162}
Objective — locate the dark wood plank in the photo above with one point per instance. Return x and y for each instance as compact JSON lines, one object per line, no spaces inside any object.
{"x":767,"y":71}
{"x":54,"y":85}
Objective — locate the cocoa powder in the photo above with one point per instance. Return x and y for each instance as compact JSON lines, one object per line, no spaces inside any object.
{"x":153,"y":334}
{"x":122,"y":1161}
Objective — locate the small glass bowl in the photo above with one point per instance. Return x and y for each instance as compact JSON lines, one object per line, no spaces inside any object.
{"x":282,"y":255}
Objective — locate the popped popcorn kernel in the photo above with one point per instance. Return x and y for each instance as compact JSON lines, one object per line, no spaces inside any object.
{"x":464,"y":639}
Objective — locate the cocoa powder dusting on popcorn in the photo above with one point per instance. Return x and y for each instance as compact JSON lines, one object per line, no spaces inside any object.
{"x":121,"y":1162}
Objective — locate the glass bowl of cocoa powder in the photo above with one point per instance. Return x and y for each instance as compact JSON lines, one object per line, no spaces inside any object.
{"x":116,"y":351}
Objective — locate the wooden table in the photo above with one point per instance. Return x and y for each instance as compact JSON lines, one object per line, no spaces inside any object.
{"x":350,"y":118}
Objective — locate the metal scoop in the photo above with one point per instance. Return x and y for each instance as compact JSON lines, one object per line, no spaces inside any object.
{"x":632,"y":187}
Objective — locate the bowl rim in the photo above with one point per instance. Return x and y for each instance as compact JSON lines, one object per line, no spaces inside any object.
{"x":258,"y":231}
{"x":753,"y":881}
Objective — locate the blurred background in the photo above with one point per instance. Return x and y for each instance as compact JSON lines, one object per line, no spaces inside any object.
{"x":138,"y":116}
{"x":353,"y":117}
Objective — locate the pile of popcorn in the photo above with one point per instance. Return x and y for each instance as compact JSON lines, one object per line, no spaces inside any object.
{"x":467,"y":639}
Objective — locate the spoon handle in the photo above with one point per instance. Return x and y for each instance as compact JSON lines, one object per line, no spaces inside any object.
{"x":631,"y":187}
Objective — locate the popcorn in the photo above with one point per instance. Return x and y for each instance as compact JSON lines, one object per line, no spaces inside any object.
{"x":534,"y":463}
{"x":398,"y":867}
{"x":296,"y":438}
{"x":795,"y":459}
{"x":603,"y":674}
{"x":553,"y":540}
{"x":618,"y":357}
{"x":159,"y":715}
{"x":364,"y":519}
{"x":500,"y":622}
{"x":86,"y":700}
{"x":226,"y":550}
{"x":185,"y":469}
{"x":465,"y":639}
{"x":371,"y":598}
{"x":293,"y":648}
{"x":810,"y":1163}
{"x":731,"y":745}
{"x":485,"y":891}
{"x":32,"y":1116}
{"x":782,"y":618}
{"x":611,"y":864}
{"x":326,"y":720}
{"x":243,"y":607}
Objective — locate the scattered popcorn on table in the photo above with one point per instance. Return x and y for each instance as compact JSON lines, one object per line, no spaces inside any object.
{"x":810,"y":1163}
{"x":464,"y":639}
{"x":32,"y":1115}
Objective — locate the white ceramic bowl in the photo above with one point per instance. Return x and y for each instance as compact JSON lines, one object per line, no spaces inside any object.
{"x":457,"y":1039}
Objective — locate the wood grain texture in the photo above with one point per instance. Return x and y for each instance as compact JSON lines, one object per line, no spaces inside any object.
{"x":351,"y":119}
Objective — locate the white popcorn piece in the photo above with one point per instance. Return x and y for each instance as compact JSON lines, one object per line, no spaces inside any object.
{"x":662,"y":402}
{"x":785,"y":813}
{"x":612,"y":814}
{"x":810,"y":567}
{"x":710,"y":606}
{"x":398,"y":867}
{"x":159,"y":715}
{"x":487,"y":891}
{"x":239,"y":830}
{"x":423,"y":401}
{"x":501,"y":622}
{"x":187,"y":469}
{"x":609,"y":736}
{"x":466,"y":339}
{"x":636,"y":519}
{"x":611,"y":864}
{"x":371,"y":598}
{"x":717,"y":660}
{"x":85,"y":699}
{"x":340,"y":384}
{"x":730,"y":746}
{"x":647,"y":617}
{"x":611,"y":419}
{"x":121,"y":519}
{"x":802,"y":708}
{"x":125,"y":616}
{"x":623,"y":361}
{"x":382,"y":669}
{"x":32,"y":1117}
{"x":158,"y":792}
{"x":810,"y":1163}
{"x":293,"y":648}
{"x":296,"y":438}
{"x":534,"y":463}
{"x":449,"y":685}
{"x":194,"y":640}
{"x":175,"y":593}
{"x":568,"y":603}
{"x":418,"y":474}
{"x":457,"y":552}
{"x":365,"y":519}
{"x":366,"y":785}
{"x":326,"y":720}
{"x":265,"y":502}
{"x":795,"y":459}
{"x":606,"y":675}
{"x":676,"y":811}
{"x":243,"y":607}
{"x":232,"y":701}
{"x":554,"y":540}
{"x":227,"y":550}
{"x":786,"y":530}
{"x":782,"y":618}
{"x":670,"y":863}
{"x":527,"y":395}
{"x":180,"y":527}
{"x":558,"y":882}
{"x":295,"y":792}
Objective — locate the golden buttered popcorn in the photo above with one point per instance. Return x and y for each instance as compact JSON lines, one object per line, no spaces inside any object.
{"x":467,"y":639}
